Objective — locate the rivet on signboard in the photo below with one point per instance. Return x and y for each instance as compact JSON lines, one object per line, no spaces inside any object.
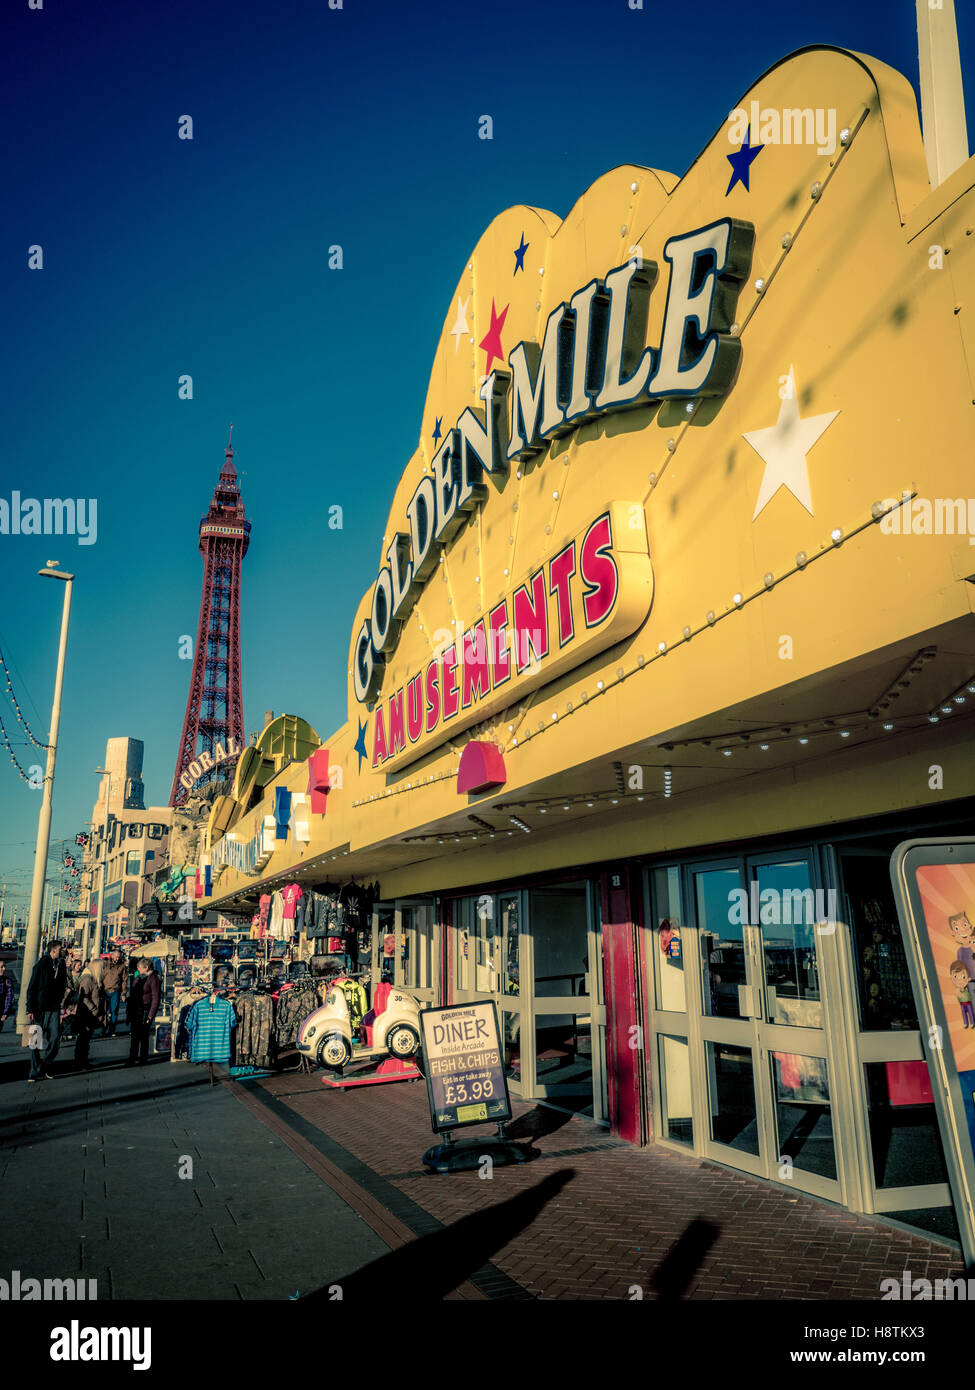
{"x":556,"y":496}
{"x":653,"y":477}
{"x":506,"y":571}
{"x":768,"y":579}
{"x":738,"y":600}
{"x":622,"y":231}
{"x":641,"y":660}
{"x":734,"y":330}
{"x":816,"y":189}
{"x":710,"y":616}
{"x":690,"y":407}
{"x":801,"y":558}
{"x":845,"y":134}
{"x":619,"y":673}
{"x":786,"y":241}
{"x":687,"y":634}
{"x":759,"y":286}
{"x":538,"y":303}
{"x":599,"y":685}
{"x":661,"y":647}
{"x":836,"y":535}
{"x":548,"y":530}
{"x":541,"y":270}
{"x":634,"y":187}
{"x":671,"y":445}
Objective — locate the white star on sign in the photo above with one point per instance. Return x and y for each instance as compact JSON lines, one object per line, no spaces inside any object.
{"x":460,"y":326}
{"x":784,"y":447}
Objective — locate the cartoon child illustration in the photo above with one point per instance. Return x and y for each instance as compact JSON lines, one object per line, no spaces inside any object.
{"x":964,"y":933}
{"x":962,"y":983}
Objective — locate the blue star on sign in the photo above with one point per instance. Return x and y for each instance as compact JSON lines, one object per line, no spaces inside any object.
{"x":437,"y":433}
{"x":520,"y":254}
{"x":741,"y":162}
{"x":360,"y":745}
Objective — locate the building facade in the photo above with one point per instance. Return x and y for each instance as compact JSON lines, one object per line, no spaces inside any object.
{"x":127,"y":844}
{"x":672,"y":642}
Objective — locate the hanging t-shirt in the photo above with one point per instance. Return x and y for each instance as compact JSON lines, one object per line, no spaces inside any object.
{"x":276,"y":924}
{"x":290,"y":893}
{"x":265,"y":907}
{"x":208,"y":1027}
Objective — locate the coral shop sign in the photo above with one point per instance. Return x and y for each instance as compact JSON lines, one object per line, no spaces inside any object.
{"x":593,"y":591}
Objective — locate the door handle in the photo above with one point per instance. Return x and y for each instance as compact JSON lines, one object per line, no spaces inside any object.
{"x":749,"y":1004}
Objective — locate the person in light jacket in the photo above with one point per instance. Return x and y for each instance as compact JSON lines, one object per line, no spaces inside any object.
{"x":6,"y":994}
{"x":89,"y":1012}
{"x":144,"y":997}
{"x":114,"y":981}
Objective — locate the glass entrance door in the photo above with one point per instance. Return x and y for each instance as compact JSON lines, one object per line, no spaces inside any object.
{"x":417,"y":956}
{"x":766,"y":1071}
{"x":568,"y":1012}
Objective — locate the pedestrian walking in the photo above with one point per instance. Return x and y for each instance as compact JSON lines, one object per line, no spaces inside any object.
{"x":144,"y":996}
{"x":46,"y":989}
{"x":90,"y":1011}
{"x":6,"y":994}
{"x":114,"y":987}
{"x":74,"y":966}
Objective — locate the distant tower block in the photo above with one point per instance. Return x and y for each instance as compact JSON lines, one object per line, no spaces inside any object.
{"x":213,"y":729}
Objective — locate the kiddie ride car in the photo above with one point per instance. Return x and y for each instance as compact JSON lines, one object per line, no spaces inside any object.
{"x":345,"y":1039}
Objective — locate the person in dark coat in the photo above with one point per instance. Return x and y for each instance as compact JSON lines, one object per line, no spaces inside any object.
{"x":144,"y":996}
{"x":45,"y":994}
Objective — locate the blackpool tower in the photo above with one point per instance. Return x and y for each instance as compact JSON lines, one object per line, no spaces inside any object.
{"x":213,"y":728}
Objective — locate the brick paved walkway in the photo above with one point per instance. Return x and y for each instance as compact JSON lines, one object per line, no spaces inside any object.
{"x":91,"y":1186}
{"x":591,"y":1217}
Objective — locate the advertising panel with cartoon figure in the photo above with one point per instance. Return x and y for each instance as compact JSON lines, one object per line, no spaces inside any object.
{"x":934,"y":884}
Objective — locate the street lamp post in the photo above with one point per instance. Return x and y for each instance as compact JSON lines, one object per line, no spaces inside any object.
{"x":32,"y":944}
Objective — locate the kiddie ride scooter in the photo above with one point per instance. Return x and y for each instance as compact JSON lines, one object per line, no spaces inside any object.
{"x":390,"y":1031}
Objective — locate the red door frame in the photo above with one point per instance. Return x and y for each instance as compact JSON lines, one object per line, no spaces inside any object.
{"x":627,"y":1082}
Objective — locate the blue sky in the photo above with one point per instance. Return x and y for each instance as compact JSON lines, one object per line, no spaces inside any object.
{"x":163,"y":256}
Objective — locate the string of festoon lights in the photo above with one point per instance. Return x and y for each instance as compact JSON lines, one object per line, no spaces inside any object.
{"x":18,"y":711}
{"x":759,"y":738}
{"x":24,"y":776}
{"x":644,"y":661}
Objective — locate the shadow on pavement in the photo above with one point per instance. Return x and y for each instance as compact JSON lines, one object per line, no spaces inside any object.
{"x":432,"y":1266}
{"x":678,"y":1268}
{"x":535,"y":1124}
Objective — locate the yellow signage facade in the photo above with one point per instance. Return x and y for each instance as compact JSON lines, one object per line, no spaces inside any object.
{"x":642,"y":521}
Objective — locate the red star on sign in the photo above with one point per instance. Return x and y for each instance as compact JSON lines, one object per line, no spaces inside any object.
{"x":491,"y":343}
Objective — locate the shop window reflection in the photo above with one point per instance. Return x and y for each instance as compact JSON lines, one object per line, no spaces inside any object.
{"x":904,"y":1135}
{"x":510,"y":929}
{"x":722,"y":941}
{"x":804,"y":1118}
{"x":884,"y":991}
{"x":676,"y":1121}
{"x":731,"y":1089}
{"x":511,"y":1041}
{"x":787,"y":916}
{"x":668,"y":958}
